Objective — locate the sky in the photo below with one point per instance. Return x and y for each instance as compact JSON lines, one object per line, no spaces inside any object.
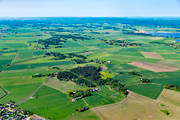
{"x":89,"y":8}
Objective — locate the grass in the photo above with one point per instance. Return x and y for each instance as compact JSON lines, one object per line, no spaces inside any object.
{"x":149,"y":90}
{"x":88,"y":115}
{"x":37,"y":65}
{"x":26,"y":53}
{"x":165,"y":112}
{"x":39,"y":52}
{"x":63,"y":86}
{"x":19,"y":92}
{"x":166,"y":78}
{"x":59,"y":106}
{"x":105,"y":96}
{"x":51,"y":104}
{"x":1,"y":68}
{"x":72,"y":44}
{"x":12,"y":78}
{"x":52,"y":101}
{"x":3,"y":93}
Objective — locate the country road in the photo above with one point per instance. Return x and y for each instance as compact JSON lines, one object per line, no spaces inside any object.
{"x":34,"y":92}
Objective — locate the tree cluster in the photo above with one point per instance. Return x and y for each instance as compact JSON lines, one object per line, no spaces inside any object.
{"x":80,"y":93}
{"x":143,"y":80}
{"x":66,"y":76}
{"x":79,"y":61}
{"x":172,"y":87}
{"x":135,"y":73}
{"x":91,"y":77}
{"x":58,"y":56}
{"x":82,"y":109}
{"x":121,"y":43}
{"x":55,"y":40}
{"x":71,"y":55}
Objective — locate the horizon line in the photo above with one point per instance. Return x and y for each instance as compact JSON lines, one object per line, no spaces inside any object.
{"x":89,"y":16}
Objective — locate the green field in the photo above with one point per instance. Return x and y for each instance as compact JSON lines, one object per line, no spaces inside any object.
{"x":58,"y":105}
{"x":3,"y":92}
{"x":150,"y":90}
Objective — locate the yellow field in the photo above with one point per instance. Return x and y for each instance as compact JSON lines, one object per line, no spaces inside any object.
{"x":172,"y":101}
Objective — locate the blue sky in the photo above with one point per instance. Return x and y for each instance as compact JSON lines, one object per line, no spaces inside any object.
{"x":89,"y":8}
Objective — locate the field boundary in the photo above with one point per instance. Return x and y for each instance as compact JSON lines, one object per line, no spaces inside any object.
{"x":101,"y":117}
{"x":33,"y":93}
{"x":5,"y":92}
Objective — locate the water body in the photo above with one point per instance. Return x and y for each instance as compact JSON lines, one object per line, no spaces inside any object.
{"x":172,"y":35}
{"x":178,"y":40}
{"x":159,"y":34}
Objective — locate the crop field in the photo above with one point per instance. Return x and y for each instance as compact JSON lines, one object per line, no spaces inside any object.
{"x":31,"y":66}
{"x":56,"y":104}
{"x":72,"y":44}
{"x":135,"y":104}
{"x":26,"y":53}
{"x":151,"y":55}
{"x":150,"y":90}
{"x":170,"y":100}
{"x":105,"y":96}
{"x":88,"y":115}
{"x":19,"y":92}
{"x":62,"y":86}
{"x":41,"y":64}
{"x":154,"y":67}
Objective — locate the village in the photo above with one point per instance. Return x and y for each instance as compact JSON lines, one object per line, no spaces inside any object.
{"x":10,"y":111}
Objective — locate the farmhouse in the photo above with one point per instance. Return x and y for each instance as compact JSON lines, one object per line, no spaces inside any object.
{"x":75,"y":99}
{"x":37,"y":75}
{"x":108,"y":62}
{"x":81,"y":94}
{"x":94,"y":89}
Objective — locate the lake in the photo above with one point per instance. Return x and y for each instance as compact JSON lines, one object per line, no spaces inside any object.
{"x":173,"y":35}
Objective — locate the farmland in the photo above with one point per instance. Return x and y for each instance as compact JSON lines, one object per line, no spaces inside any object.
{"x":135,"y":104}
{"x":63,"y":69}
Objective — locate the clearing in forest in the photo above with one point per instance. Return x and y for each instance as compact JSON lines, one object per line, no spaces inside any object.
{"x":155,"y":67}
{"x":153,"y":55}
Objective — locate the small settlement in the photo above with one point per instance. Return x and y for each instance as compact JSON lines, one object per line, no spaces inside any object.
{"x":79,"y":94}
{"x":10,"y":111}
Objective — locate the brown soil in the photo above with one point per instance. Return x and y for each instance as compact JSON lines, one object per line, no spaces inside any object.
{"x":151,"y":55}
{"x":155,"y":67}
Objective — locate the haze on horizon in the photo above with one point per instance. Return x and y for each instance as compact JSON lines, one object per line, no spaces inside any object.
{"x":89,"y":8}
